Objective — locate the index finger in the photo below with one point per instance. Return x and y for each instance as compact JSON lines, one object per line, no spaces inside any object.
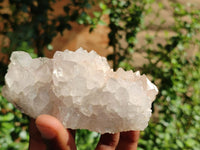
{"x":128,"y":140}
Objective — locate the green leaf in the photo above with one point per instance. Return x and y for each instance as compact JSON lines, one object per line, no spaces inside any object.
{"x":101,"y":22}
{"x":49,"y":47}
{"x":190,"y":142}
{"x":102,"y":6}
{"x":23,"y":135}
{"x":7,"y":127}
{"x":7,"y":117}
{"x":107,"y":11}
{"x":180,"y":143}
{"x":97,"y":14}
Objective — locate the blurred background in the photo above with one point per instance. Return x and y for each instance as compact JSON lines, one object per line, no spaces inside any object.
{"x":160,"y":38}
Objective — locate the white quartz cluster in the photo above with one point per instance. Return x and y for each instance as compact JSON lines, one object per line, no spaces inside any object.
{"x":81,"y":90}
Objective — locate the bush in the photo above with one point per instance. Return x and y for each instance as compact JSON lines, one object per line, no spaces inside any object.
{"x":177,"y":76}
{"x":13,"y":127}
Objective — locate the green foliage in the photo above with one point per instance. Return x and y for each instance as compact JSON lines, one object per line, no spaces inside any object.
{"x":13,"y":127}
{"x":86,"y":140}
{"x":33,"y":22}
{"x":125,"y":19}
{"x":178,"y":78}
{"x":175,"y":123}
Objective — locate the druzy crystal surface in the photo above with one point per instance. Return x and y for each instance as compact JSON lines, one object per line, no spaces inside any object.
{"x":81,"y":90}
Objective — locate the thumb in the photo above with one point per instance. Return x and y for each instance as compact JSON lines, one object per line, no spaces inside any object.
{"x":55,"y":136}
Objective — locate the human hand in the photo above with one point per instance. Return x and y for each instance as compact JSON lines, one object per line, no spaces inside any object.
{"x":47,"y":133}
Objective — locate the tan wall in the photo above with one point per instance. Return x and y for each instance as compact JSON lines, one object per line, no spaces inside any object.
{"x":98,"y":40}
{"x":79,"y":36}
{"x":153,"y":22}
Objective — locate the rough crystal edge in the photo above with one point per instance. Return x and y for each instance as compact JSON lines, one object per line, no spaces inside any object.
{"x":150,"y":86}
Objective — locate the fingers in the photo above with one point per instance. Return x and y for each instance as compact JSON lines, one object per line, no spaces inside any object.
{"x":36,"y":141}
{"x":53,"y":133}
{"x":57,"y":137}
{"x":128,"y":140}
{"x":123,"y":141}
{"x":108,"y":142}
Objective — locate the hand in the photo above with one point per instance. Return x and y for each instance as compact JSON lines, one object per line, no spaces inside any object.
{"x":46,"y":132}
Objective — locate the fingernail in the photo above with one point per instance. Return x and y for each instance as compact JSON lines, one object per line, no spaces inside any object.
{"x":46,"y":132}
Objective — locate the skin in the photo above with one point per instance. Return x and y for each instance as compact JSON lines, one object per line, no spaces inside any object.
{"x":47,"y":133}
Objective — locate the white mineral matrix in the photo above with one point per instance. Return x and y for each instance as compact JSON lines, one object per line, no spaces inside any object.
{"x":81,"y":90}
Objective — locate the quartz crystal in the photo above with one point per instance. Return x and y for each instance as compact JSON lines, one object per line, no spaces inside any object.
{"x":81,"y":90}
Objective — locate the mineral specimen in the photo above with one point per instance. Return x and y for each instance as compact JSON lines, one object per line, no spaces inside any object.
{"x":81,"y":90}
